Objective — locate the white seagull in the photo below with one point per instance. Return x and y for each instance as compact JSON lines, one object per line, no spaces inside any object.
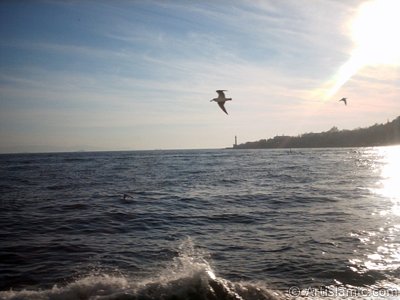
{"x":221,"y":100}
{"x":344,"y":100}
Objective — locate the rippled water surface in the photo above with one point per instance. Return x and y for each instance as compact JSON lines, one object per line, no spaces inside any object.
{"x":200,"y":224}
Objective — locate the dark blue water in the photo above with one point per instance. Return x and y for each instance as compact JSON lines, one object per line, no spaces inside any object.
{"x":201,"y":224}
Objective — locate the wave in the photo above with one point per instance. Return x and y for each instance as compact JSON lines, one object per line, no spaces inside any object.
{"x":188,"y":276}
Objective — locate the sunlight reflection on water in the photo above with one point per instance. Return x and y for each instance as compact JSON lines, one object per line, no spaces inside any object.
{"x":390,"y":174}
{"x":383,"y":243}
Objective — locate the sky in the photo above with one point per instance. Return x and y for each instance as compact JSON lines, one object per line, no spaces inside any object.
{"x":137,"y":75}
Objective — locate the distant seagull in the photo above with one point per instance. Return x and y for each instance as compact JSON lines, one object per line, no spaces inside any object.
{"x":221,"y":99}
{"x":344,"y":100}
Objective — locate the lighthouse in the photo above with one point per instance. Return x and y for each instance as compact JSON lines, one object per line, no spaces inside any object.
{"x":235,"y":144}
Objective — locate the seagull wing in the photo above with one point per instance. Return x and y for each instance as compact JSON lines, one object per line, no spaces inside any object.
{"x":221,"y":93}
{"x":221,"y":104}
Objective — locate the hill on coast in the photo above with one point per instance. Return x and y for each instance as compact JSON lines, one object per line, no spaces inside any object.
{"x":376,"y":135}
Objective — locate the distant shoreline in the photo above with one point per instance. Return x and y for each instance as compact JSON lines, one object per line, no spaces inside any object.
{"x":376,"y":135}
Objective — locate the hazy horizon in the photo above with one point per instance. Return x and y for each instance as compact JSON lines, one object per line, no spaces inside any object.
{"x":106,"y":76}
{"x":48,"y":149}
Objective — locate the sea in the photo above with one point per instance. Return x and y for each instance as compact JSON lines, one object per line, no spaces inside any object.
{"x":201,"y":224}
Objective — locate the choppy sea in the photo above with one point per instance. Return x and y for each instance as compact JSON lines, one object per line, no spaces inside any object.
{"x":201,"y":224}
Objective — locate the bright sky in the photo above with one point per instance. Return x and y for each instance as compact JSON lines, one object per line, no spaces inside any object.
{"x":133,"y":75}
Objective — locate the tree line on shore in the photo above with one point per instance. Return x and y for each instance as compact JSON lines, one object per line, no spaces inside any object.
{"x":376,"y":135}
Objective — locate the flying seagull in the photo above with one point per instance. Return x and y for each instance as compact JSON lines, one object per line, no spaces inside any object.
{"x":344,"y":100}
{"x":221,"y":99}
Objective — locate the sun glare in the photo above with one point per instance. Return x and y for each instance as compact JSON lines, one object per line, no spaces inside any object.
{"x":375,"y":32}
